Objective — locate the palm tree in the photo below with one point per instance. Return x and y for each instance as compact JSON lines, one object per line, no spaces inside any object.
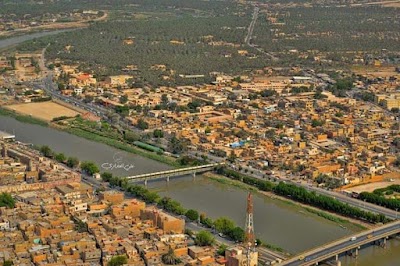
{"x":170,"y":258}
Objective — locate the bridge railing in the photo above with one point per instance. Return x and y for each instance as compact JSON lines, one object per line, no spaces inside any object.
{"x":194,"y":168}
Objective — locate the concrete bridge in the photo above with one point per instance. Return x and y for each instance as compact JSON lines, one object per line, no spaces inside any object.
{"x":173,"y":173}
{"x":348,"y":245}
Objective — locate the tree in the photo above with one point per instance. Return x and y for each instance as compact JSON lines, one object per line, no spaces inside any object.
{"x":72,"y":162}
{"x":88,"y":99}
{"x":46,"y":151}
{"x":177,"y":146}
{"x":224,"y":225}
{"x":142,"y":124}
{"x":123,"y":99}
{"x":237,"y":234}
{"x":6,"y":200}
{"x":164,"y":99}
{"x":8,"y":263}
{"x":158,"y":133}
{"x":60,"y":157}
{"x":106,"y":176}
{"x":192,"y":215}
{"x":170,"y":258}
{"x":204,"y":238}
{"x":221,"y":249}
{"x":118,"y":261}
{"x":89,"y":167}
{"x":131,"y":136}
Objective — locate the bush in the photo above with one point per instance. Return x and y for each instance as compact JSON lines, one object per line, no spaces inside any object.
{"x":204,"y":238}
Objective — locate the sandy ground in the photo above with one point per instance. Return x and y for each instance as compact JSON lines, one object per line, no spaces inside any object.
{"x":44,"y":110}
{"x":372,"y":186}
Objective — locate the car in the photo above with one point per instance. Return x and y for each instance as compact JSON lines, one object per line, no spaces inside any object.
{"x":301,"y":258}
{"x":369,"y":236}
{"x":353,"y":238}
{"x":307,"y":259}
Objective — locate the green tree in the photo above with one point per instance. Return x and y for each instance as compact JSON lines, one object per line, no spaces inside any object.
{"x":89,"y":167}
{"x":142,"y":124}
{"x":224,"y":225}
{"x":204,"y":238}
{"x":192,"y":215}
{"x":72,"y":162}
{"x":8,"y":263}
{"x":123,"y":99}
{"x":60,"y":157}
{"x":237,"y":234}
{"x":6,"y":200}
{"x":158,"y":133}
{"x":46,"y":151}
{"x":177,"y":146}
{"x":221,"y":249}
{"x":170,"y":258}
{"x":118,"y":261}
{"x":106,"y":176}
{"x":131,"y":136}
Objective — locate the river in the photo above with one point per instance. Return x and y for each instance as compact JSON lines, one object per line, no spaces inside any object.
{"x":4,"y":43}
{"x":276,"y":222}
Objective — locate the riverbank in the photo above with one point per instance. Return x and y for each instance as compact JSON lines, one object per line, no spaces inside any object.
{"x":23,"y":118}
{"x":93,"y":137}
{"x":342,"y":221}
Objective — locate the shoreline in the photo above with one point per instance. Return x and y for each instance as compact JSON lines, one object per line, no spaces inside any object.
{"x":330,"y":216}
{"x":90,"y":136}
{"x":333,"y":217}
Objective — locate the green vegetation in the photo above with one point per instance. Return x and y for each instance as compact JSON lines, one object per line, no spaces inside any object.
{"x":204,"y":238}
{"x":378,"y":197}
{"x":122,"y":146}
{"x":304,"y":196}
{"x":118,"y":261}
{"x":314,"y":29}
{"x":60,"y":157}
{"x":72,"y":162}
{"x":170,"y":258}
{"x":8,"y":263}
{"x":46,"y":151}
{"x":221,"y":249}
{"x":89,"y":167}
{"x":23,"y":118}
{"x":6,"y":200}
{"x":192,"y":215}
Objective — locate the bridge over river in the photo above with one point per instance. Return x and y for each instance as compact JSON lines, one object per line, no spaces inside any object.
{"x":175,"y":172}
{"x":350,"y":244}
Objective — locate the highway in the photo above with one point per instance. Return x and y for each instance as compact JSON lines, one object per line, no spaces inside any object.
{"x":340,"y":246}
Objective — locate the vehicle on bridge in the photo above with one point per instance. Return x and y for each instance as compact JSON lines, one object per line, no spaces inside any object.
{"x":353,"y":238}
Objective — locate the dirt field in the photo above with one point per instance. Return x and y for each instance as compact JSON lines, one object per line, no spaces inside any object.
{"x":375,"y":71}
{"x":372,"y":186}
{"x":45,"y":110}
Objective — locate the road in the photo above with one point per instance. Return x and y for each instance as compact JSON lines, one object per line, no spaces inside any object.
{"x":249,"y":35}
{"x":342,"y":245}
{"x":250,"y":29}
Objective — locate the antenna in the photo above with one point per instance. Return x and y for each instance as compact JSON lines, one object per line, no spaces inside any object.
{"x":249,"y":228}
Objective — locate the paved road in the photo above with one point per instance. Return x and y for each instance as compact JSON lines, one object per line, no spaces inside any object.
{"x":325,"y":252}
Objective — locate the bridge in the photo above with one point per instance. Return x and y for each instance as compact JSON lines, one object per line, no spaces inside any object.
{"x":349,"y":245}
{"x":175,"y":172}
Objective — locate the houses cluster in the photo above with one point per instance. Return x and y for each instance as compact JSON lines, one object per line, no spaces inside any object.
{"x":22,"y":169}
{"x":10,"y":22}
{"x":273,"y":120}
{"x":72,"y":225}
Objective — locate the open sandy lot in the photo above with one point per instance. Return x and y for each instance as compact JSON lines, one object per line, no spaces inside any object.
{"x":372,"y":186}
{"x":44,"y":110}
